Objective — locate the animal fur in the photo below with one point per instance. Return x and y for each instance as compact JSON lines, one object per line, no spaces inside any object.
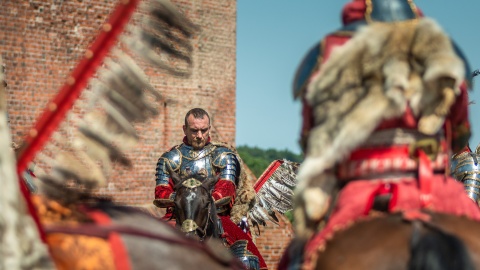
{"x":21,"y":246}
{"x":245,"y":193}
{"x":383,"y":69}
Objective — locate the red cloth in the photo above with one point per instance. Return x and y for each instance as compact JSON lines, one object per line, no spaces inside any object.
{"x":355,"y":11}
{"x":234,"y":233}
{"x":308,"y":121}
{"x":447,"y":196}
{"x":224,"y":188}
{"x":119,"y":250}
{"x":164,"y":192}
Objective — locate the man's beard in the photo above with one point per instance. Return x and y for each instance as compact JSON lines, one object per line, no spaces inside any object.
{"x":198,"y":144}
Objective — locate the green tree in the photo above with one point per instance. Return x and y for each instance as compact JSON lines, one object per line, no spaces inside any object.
{"x":258,"y":159}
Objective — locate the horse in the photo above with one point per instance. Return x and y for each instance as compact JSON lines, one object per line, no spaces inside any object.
{"x":393,"y":241}
{"x":101,"y":234}
{"x":195,"y":211}
{"x":196,"y":216}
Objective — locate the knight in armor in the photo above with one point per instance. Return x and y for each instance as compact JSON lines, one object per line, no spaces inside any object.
{"x":465,"y":168}
{"x":384,"y":107}
{"x":199,"y":156}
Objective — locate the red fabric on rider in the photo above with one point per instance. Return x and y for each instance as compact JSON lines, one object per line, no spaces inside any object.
{"x":353,"y":200}
{"x":235,"y":233}
{"x":163,"y":191}
{"x":224,"y":188}
{"x":308,"y":121}
{"x":355,"y":11}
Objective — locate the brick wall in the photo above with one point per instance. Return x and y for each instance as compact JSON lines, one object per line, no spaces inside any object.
{"x":41,"y":42}
{"x":273,"y":240}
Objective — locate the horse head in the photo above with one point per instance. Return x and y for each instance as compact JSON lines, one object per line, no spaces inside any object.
{"x":195,"y":210}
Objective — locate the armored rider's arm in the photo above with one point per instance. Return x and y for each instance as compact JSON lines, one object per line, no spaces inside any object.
{"x":458,"y":117}
{"x":309,"y":67}
{"x":164,"y":193}
{"x":228,"y":168}
{"x":459,"y":122}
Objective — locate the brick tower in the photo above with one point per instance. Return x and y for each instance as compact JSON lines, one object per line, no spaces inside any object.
{"x":41,"y":42}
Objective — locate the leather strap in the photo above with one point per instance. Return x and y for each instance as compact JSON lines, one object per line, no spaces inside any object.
{"x":425,"y":178}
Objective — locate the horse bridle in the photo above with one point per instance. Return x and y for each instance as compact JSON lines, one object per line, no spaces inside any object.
{"x":189,"y":225}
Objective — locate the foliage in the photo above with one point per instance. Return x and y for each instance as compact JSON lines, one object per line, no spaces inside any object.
{"x":258,"y":159}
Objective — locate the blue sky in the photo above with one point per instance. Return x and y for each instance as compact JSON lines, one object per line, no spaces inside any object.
{"x":273,"y":36}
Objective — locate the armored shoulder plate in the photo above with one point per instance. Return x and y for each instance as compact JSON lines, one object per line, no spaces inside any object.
{"x":226,"y":161}
{"x":466,"y":169}
{"x":312,"y":60}
{"x":307,"y":67}
{"x":171,"y":159}
{"x":391,"y":11}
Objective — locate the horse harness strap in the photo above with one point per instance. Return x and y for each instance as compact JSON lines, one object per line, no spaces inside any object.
{"x":189,"y":225}
{"x":104,"y":231}
{"x":384,"y":198}
{"x":119,"y":250}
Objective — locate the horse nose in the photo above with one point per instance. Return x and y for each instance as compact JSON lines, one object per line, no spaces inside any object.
{"x":192,"y":235}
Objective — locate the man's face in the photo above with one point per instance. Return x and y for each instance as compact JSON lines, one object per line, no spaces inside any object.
{"x":197,"y":131}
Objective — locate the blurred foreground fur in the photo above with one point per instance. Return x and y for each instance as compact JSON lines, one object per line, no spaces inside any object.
{"x":21,"y":247}
{"x":369,"y":79}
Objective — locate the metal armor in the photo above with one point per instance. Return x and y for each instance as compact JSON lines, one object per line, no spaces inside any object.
{"x":466,"y":169}
{"x":207,"y":162}
{"x":240,"y":251}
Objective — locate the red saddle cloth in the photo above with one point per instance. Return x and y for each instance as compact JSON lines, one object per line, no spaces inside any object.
{"x":355,"y":201}
{"x":234,"y":233}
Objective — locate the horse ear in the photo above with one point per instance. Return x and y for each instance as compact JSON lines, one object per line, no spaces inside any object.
{"x":175,"y":177}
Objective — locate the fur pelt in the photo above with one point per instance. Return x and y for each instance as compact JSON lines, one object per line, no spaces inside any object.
{"x":20,"y":244}
{"x":383,"y":69}
{"x":245,"y":197}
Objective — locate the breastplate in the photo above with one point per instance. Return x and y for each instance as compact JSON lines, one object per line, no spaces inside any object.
{"x":197,"y":162}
